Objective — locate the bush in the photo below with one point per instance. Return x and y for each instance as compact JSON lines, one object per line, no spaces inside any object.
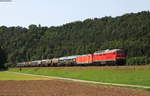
{"x":7,"y":65}
{"x":138,"y":61}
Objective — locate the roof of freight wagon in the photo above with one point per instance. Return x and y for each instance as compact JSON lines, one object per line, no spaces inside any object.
{"x":68,"y":57}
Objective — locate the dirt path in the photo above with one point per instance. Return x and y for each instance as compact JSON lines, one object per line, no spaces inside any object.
{"x":62,"y":88}
{"x":85,"y":81}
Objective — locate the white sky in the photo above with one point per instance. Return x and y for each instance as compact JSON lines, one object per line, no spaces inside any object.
{"x":58,"y":12}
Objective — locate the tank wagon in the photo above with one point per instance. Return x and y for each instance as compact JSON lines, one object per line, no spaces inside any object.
{"x":103,"y":57}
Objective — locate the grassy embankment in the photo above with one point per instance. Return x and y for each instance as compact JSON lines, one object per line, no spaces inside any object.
{"x":139,"y":76}
{"x":12,"y":76}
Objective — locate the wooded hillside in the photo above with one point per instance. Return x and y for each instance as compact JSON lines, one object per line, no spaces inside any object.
{"x":130,"y":32}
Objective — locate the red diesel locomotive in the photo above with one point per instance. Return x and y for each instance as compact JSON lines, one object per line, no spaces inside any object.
{"x":115,"y":57}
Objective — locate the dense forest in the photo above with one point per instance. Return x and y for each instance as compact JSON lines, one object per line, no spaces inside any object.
{"x":130,"y":32}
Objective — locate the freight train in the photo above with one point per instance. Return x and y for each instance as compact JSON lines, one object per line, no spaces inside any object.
{"x":103,"y":57}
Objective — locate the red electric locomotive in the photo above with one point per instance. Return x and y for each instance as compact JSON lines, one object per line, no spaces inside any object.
{"x":113,"y":57}
{"x":84,"y":59}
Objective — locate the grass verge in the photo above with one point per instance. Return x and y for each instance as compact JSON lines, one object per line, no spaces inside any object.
{"x":11,"y":76}
{"x":139,"y":76}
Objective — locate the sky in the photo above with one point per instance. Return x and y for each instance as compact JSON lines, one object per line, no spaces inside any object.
{"x":59,"y":12}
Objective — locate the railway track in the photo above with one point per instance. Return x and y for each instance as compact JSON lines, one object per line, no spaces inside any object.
{"x":85,"y":67}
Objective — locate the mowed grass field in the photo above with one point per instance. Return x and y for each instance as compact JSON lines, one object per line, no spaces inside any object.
{"x":12,"y":76}
{"x":125,"y":75}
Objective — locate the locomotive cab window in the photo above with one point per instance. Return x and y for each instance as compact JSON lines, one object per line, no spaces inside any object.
{"x":120,"y":53}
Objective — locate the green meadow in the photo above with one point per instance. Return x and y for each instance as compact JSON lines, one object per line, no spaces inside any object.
{"x":139,"y":76}
{"x":12,"y":76}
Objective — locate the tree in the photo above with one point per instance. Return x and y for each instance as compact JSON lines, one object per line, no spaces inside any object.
{"x":2,"y":58}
